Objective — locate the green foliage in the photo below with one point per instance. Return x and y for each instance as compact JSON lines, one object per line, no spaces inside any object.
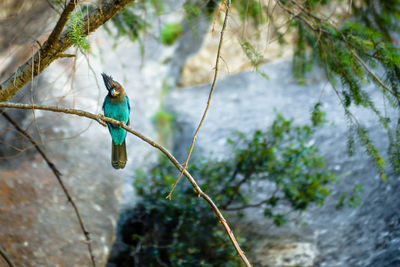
{"x":355,"y":129}
{"x":76,"y":31}
{"x":282,"y":155}
{"x":301,"y":64}
{"x":163,"y":119}
{"x":170,"y":32}
{"x":353,"y":199}
{"x":185,"y":232}
{"x":371,"y":150}
{"x":164,"y":122}
{"x":127,"y":23}
{"x":192,"y":10}
{"x":357,"y":51}
{"x":254,"y":56}
{"x":249,"y":9}
{"x":178,"y":232}
{"x":158,"y":5}
{"x":394,"y":148}
{"x":317,"y":115}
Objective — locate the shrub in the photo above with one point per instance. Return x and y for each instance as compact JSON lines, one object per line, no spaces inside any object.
{"x":185,"y":232}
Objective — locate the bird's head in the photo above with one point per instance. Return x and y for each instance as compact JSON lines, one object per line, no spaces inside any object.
{"x":113,"y":87}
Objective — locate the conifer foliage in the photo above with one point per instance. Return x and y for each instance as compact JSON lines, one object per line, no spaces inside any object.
{"x":360,"y":47}
{"x":354,"y":42}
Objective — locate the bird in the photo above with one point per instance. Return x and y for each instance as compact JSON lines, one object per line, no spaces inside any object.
{"x":116,"y":106}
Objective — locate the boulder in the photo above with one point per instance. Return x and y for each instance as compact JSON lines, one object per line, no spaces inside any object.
{"x":39,"y":226}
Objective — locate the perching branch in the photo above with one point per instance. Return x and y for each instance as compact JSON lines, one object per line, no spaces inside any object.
{"x":209,"y":97}
{"x":58,"y":174}
{"x":56,"y":45}
{"x":6,"y":258}
{"x":152,"y":143}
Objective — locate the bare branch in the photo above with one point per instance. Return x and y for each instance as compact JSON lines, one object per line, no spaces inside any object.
{"x":66,"y":55}
{"x":247,"y":205}
{"x":6,"y":258}
{"x":236,"y":189}
{"x":209,"y":98}
{"x":45,"y":56}
{"x":95,"y":117}
{"x":58,"y":174}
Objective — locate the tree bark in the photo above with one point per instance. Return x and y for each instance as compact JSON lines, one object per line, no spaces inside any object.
{"x":49,"y":53}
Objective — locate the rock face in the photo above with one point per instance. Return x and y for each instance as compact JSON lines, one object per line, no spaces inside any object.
{"x":367,"y":235}
{"x":289,"y":254}
{"x":38,"y":226}
{"x":199,"y":68}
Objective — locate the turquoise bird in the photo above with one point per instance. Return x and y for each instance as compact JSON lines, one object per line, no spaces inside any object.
{"x":116,"y":105}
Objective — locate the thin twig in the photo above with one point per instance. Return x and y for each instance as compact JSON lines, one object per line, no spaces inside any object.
{"x":365,"y":66}
{"x":247,"y":205}
{"x":209,"y":98}
{"x":216,"y":16}
{"x":6,"y":258}
{"x":235,"y":189}
{"x":198,"y":190}
{"x":352,"y":51}
{"x":58,"y":174}
{"x":298,"y":15}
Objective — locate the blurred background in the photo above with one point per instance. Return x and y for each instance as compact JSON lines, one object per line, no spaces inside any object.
{"x":299,"y":149}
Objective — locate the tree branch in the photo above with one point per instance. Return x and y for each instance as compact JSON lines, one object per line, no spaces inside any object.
{"x":152,"y":143}
{"x":321,"y":30}
{"x":209,"y":97}
{"x":53,"y":47}
{"x":247,"y":205}
{"x":60,"y":25}
{"x":58,"y":174}
{"x":6,"y":258}
{"x":236,"y":189}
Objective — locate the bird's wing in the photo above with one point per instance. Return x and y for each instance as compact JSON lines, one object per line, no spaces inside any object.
{"x":129,"y":110}
{"x":104,"y":103}
{"x":129,"y":105}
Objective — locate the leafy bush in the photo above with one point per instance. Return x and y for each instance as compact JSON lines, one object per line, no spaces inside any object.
{"x":355,"y":45}
{"x":181,"y":232}
{"x":283,"y":155}
{"x":170,"y":32}
{"x":185,"y":232}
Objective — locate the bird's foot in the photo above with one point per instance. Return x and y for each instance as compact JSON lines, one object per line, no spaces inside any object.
{"x":98,"y":118}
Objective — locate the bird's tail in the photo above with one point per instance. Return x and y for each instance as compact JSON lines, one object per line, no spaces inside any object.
{"x":118,"y":155}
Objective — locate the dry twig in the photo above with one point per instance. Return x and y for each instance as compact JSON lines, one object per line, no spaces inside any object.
{"x":208,"y":101}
